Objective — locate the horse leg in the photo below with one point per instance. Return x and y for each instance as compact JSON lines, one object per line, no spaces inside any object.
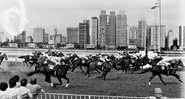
{"x":81,"y":69}
{"x":178,"y":77}
{"x":97,"y":70}
{"x":73,"y":68}
{"x":106,"y":72}
{"x":150,"y":79}
{"x":160,"y":77}
{"x":67,"y":80}
{"x":87,"y":72}
{"x":123,"y":68}
{"x":48,"y":80}
{"x":60,"y":81}
{"x":133,"y":69}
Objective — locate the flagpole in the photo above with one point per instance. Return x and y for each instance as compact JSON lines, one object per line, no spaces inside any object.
{"x":160,"y":23}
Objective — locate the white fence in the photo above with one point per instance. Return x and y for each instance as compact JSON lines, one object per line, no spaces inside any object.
{"x":78,"y":96}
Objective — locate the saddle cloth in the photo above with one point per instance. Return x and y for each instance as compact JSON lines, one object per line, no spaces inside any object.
{"x":51,"y":66}
{"x":163,"y":63}
{"x":99,"y":63}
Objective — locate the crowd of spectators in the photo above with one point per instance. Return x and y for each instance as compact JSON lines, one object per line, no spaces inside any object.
{"x":20,"y":89}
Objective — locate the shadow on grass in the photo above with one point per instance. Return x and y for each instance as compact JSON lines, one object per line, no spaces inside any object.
{"x":167,"y":83}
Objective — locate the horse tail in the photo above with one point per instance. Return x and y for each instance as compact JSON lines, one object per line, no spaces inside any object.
{"x":21,"y":56}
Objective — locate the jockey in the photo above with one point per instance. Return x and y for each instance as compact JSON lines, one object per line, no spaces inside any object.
{"x":165,"y":63}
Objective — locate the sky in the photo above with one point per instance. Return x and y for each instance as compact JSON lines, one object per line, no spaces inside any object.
{"x":27,"y":14}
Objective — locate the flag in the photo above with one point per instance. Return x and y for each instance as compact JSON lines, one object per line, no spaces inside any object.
{"x":154,"y":7}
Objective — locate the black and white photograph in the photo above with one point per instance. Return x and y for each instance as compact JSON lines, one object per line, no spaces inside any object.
{"x":92,"y":49}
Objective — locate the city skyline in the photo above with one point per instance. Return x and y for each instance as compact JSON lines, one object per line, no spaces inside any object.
{"x":62,"y":14}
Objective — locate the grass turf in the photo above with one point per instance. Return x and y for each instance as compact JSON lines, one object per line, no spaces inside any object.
{"x":116,"y":84}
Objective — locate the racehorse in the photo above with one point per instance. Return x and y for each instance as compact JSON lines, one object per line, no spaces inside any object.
{"x":80,"y":61}
{"x":158,"y":70}
{"x":106,"y":68}
{"x":94,"y":65}
{"x":2,"y":57}
{"x":143,"y":61}
{"x":29,"y":59}
{"x":59,"y":72}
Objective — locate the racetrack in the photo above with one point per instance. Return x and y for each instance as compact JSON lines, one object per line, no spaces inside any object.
{"x":117,"y":83}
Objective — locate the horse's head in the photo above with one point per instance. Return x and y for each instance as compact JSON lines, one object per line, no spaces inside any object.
{"x":5,"y":56}
{"x":180,"y":64}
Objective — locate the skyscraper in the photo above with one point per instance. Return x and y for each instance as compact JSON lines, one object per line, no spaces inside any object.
{"x":102,"y":28}
{"x":72,"y":35}
{"x":111,"y":31}
{"x":64,"y":39}
{"x":38,"y":35}
{"x":170,"y":37}
{"x":132,"y":35}
{"x":94,"y":31}
{"x":84,"y":37}
{"x":182,"y":37}
{"x":23,"y":36}
{"x":157,"y":39}
{"x":121,"y":29}
{"x":46,"y":38}
{"x":141,"y":36}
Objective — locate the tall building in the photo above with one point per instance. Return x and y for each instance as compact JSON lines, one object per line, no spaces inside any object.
{"x":111,"y":31}
{"x":38,"y":35}
{"x":182,"y":37}
{"x":21,"y":37}
{"x":58,"y":38}
{"x":51,"y":39}
{"x":170,"y":37}
{"x":157,"y":39}
{"x":121,"y":29}
{"x":64,"y":39}
{"x":1,"y":36}
{"x":141,"y":36}
{"x":46,"y":38}
{"x":29,"y":39}
{"x":102,"y":28}
{"x":72,"y":35}
{"x":84,"y":37}
{"x":94,"y":31}
{"x":132,"y":35}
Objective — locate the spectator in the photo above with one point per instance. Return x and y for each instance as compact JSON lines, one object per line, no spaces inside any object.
{"x":158,"y":94}
{"x":24,"y":93}
{"x":3,"y":87}
{"x":17,"y":78}
{"x":35,"y":88}
{"x":12,"y":91}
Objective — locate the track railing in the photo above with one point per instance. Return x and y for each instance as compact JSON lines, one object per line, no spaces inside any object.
{"x":78,"y":96}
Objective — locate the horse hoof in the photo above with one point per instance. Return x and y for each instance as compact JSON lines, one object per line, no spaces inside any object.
{"x":52,"y":85}
{"x":149,"y":83}
{"x":67,"y":85}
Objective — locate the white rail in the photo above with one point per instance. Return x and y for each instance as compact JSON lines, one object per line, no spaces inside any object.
{"x":79,"y":96}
